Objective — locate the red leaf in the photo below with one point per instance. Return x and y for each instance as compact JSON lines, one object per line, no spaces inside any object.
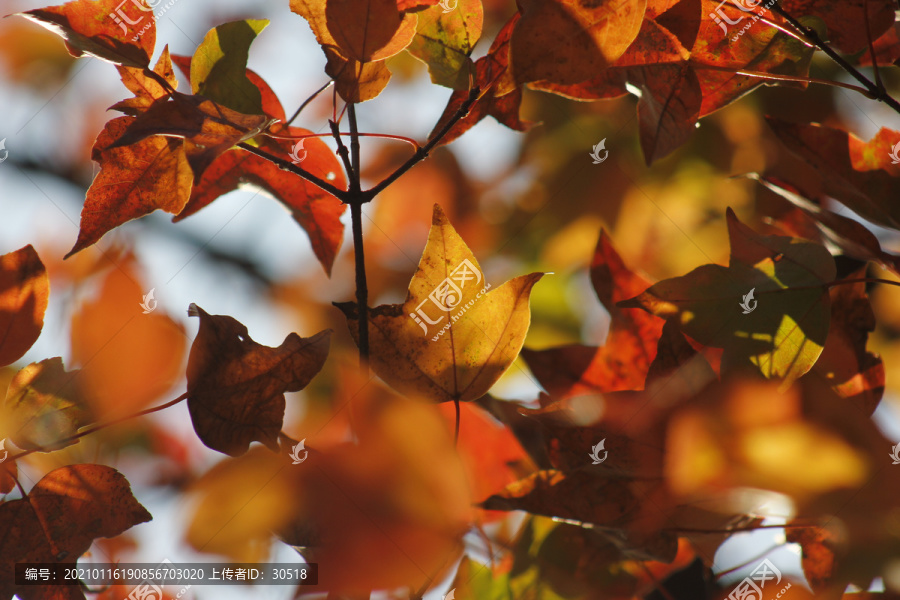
{"x":317,"y":211}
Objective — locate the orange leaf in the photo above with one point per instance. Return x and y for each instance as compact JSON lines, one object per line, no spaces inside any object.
{"x":146,"y":89}
{"x":24,"y":293}
{"x":98,"y":28}
{"x":452,"y":339}
{"x":63,"y":514}
{"x":128,"y":359}
{"x":369,"y":30}
{"x":209,"y":129}
{"x":236,"y":386}
{"x":568,"y":42}
{"x":622,"y":362}
{"x":133,"y":181}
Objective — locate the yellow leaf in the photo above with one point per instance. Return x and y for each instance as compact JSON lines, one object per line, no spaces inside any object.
{"x":455,"y":335}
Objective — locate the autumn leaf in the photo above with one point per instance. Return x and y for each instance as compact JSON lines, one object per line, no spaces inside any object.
{"x":851,"y":24}
{"x":454,"y":336}
{"x":568,"y":43}
{"x":622,"y":362}
{"x":134,"y":180}
{"x":489,"y":70}
{"x":8,"y":473}
{"x":356,"y":79}
{"x":24,"y":293}
{"x":96,"y":28}
{"x":368,"y":30}
{"x":444,"y":41}
{"x":208,"y":129}
{"x":63,"y":514}
{"x":44,"y":405}
{"x":236,"y":387}
{"x":858,"y":174}
{"x":128,"y":358}
{"x":219,"y":65}
{"x":781,"y":331}
{"x":146,"y":89}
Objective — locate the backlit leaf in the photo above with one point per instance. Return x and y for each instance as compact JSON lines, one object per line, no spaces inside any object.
{"x":236,"y":387}
{"x":454,"y":336}
{"x":444,"y":41}
{"x":783,"y":332}
{"x":218,"y":67}
{"x":64,"y":513}
{"x":24,"y":293}
{"x":134,"y":180}
{"x":43,"y":406}
{"x":146,"y":89}
{"x":106,"y":29}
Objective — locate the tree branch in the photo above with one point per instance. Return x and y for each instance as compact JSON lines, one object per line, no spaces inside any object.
{"x":356,"y":202}
{"x":289,"y":166}
{"x":811,"y":34}
{"x":422,"y":153}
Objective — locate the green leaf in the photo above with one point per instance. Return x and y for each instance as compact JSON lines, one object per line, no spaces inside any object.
{"x":444,"y":41}
{"x":219,"y":66}
{"x":43,"y":406}
{"x":783,"y":334}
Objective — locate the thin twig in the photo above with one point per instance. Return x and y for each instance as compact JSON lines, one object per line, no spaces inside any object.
{"x":813,"y":36}
{"x":289,"y":166}
{"x":308,"y":100}
{"x":422,"y":153}
{"x":95,"y":428}
{"x":780,"y":77}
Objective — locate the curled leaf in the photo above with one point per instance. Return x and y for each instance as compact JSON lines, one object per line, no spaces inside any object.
{"x":236,"y":386}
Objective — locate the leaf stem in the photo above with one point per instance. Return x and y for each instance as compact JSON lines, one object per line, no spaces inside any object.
{"x":289,"y":166}
{"x":328,"y":84}
{"x":811,"y":35}
{"x":779,"y":77}
{"x":98,"y":427}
